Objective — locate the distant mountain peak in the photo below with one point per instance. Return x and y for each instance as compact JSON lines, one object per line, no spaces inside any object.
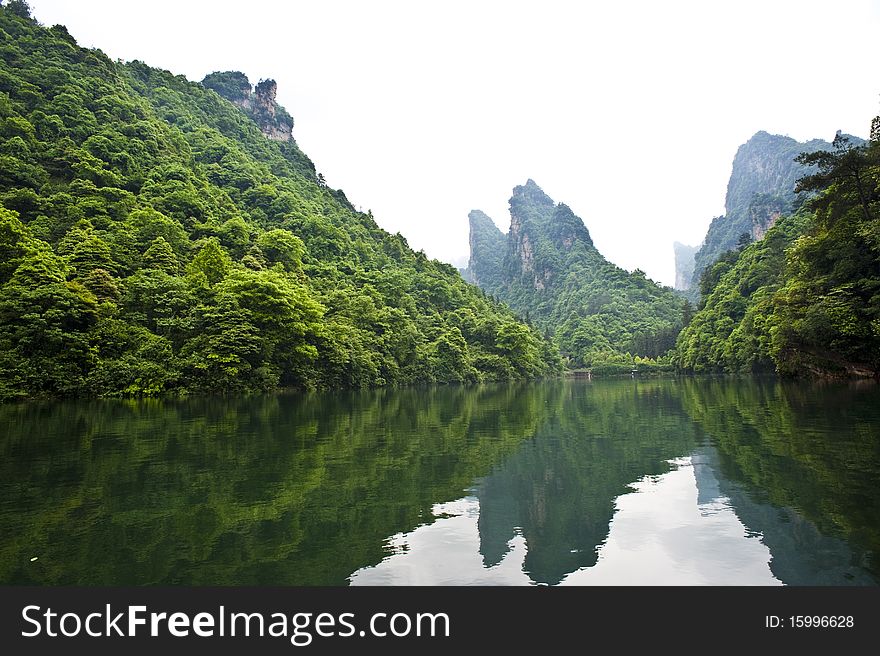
{"x":759,"y":191}
{"x":481,"y":218}
{"x":684,"y":264}
{"x":549,"y":270}
{"x":487,"y":247}
{"x":530,"y":192}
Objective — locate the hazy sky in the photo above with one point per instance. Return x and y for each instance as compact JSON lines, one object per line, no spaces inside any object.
{"x":629,"y":112}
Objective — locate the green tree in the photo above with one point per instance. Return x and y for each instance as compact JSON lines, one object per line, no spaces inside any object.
{"x":212,"y":261}
{"x":161,"y":256}
{"x":224,"y":355}
{"x":852,"y":169}
{"x":235,"y":235}
{"x":148,"y":224}
{"x":19,"y":7}
{"x":15,"y":242}
{"x":451,"y":359}
{"x":283,"y":247}
{"x":161,"y":302}
{"x":286,"y":317}
{"x":44,"y":321}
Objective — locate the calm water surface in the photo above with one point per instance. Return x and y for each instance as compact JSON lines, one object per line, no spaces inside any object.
{"x":693,"y":481}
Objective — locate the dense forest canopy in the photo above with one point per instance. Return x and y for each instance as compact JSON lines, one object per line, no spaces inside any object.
{"x":157,"y":237}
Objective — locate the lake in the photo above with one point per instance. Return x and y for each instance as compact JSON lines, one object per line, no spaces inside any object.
{"x":565,"y":482}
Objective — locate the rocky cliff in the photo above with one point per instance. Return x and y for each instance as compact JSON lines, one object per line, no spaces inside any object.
{"x":258,"y":102}
{"x":541,"y":233}
{"x":760,"y":190}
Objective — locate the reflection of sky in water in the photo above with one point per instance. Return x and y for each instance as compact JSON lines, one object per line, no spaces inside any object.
{"x":445,"y":553}
{"x":667,"y":531}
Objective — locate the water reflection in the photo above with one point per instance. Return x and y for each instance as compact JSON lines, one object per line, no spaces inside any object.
{"x":560,"y":482}
{"x":282,"y":489}
{"x":802,"y":554}
{"x":660,"y":534}
{"x":773,"y":478}
{"x":559,"y":488}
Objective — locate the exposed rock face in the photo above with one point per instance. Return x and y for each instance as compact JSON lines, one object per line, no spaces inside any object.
{"x":529,"y":208}
{"x":269,"y":115}
{"x":540,"y":230}
{"x":764,"y":210}
{"x":760,"y":189}
{"x":684,"y":265}
{"x":259,"y":102}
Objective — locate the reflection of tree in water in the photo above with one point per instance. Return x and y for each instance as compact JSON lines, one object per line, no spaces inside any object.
{"x":802,"y":554}
{"x":799,"y":462}
{"x":284,"y":489}
{"x":808,"y":452}
{"x":559,"y":488}
{"x":306,"y":489}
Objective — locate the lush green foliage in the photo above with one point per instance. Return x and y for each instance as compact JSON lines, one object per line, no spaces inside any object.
{"x":806,"y":298}
{"x":232,"y":85}
{"x":552,"y":274}
{"x":731,"y":331}
{"x":153,"y":239}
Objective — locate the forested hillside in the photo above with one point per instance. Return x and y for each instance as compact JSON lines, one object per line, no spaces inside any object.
{"x":806,"y":299}
{"x":157,"y":236}
{"x":549,"y":271}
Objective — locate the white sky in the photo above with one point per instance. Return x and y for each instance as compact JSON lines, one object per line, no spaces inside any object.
{"x":629,"y":112}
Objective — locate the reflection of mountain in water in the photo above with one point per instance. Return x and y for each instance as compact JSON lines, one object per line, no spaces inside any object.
{"x":801,"y":464}
{"x":797,"y":464}
{"x":802,"y":555}
{"x":306,"y":489}
{"x":559,"y":488}
{"x":252,"y":490}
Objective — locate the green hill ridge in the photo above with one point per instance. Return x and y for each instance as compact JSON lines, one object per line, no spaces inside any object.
{"x":160,"y":235}
{"x":761,"y":188}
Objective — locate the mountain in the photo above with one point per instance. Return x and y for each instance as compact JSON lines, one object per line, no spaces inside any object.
{"x":160,"y":235}
{"x":805,"y":299}
{"x":549,"y":271}
{"x":760,"y":190}
{"x":684,"y":265}
{"x":487,"y":240}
